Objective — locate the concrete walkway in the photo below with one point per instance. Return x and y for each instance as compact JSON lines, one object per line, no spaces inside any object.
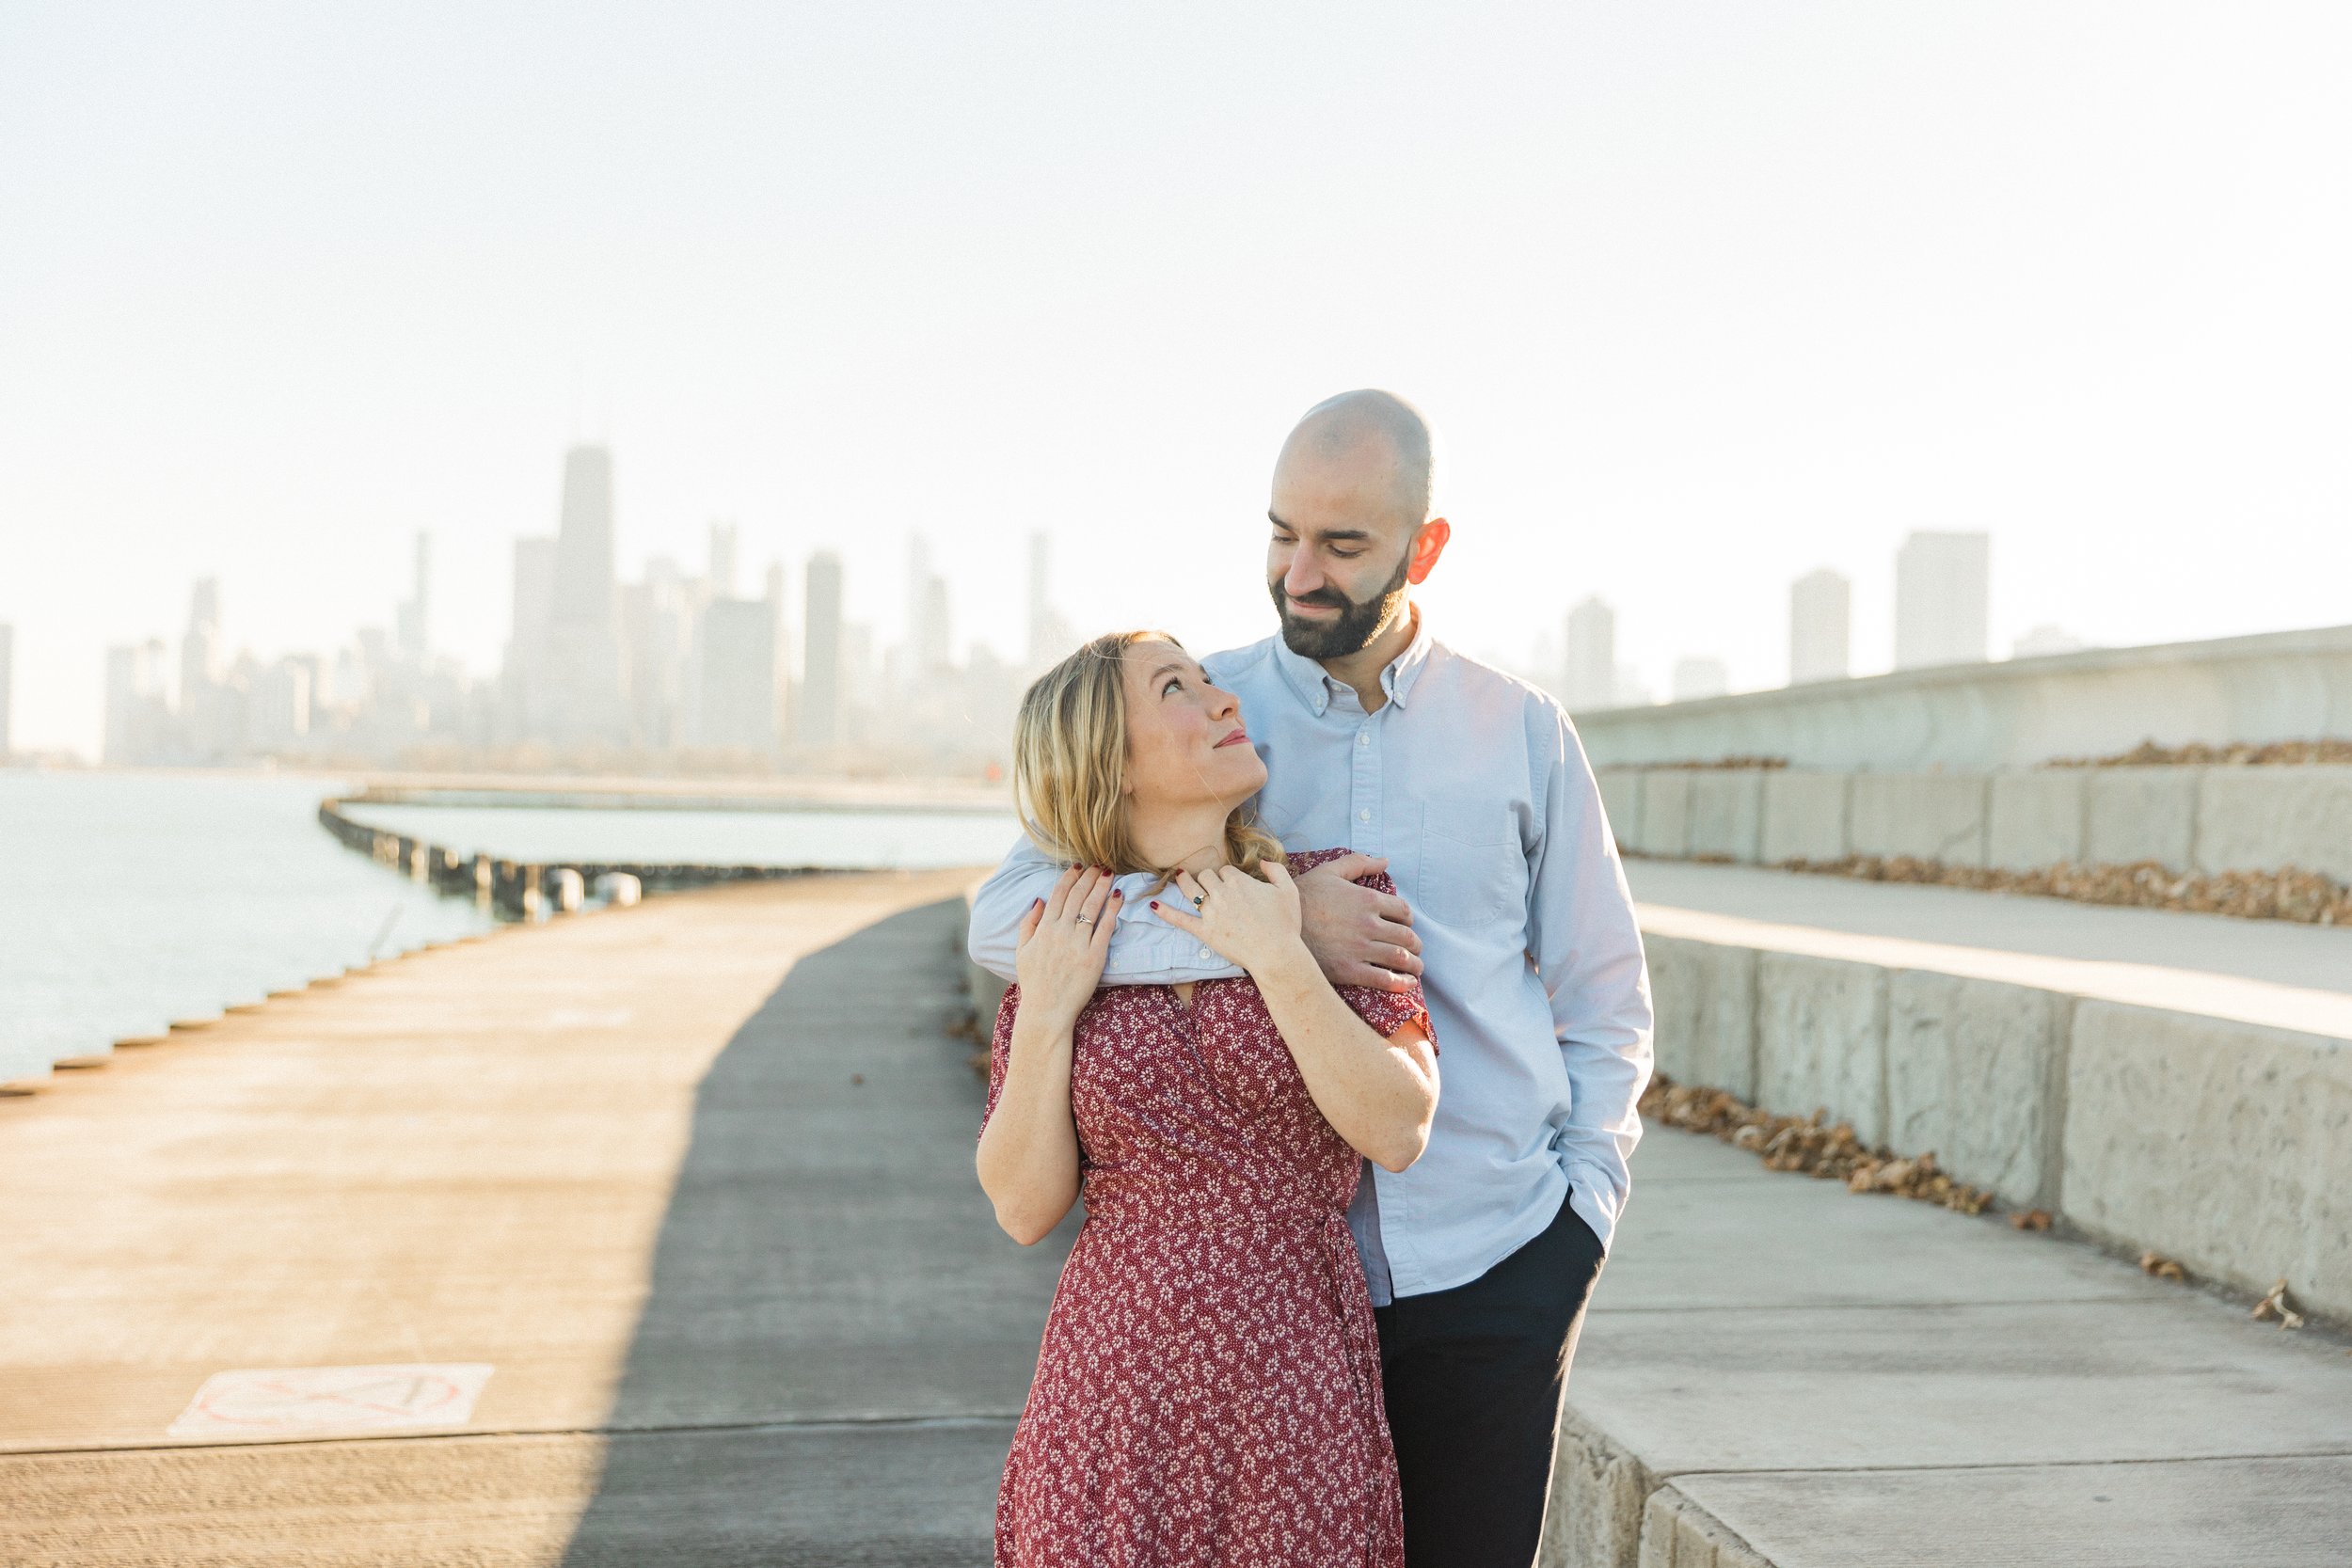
{"x":693,"y":1179}
{"x":1778,"y":1372}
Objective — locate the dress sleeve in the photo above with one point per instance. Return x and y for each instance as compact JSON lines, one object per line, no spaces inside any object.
{"x":1000,"y":1050}
{"x":1387,"y":1011}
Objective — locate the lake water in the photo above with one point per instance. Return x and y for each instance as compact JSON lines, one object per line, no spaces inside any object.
{"x":132,"y":899}
{"x":548,"y":836}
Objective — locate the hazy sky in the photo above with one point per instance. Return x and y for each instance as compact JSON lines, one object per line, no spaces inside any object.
{"x":1701,"y":296}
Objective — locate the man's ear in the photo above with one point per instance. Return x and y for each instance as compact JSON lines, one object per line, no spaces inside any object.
{"x":1428,"y":544}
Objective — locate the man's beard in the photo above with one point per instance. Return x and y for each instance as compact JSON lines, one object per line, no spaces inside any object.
{"x":1353,"y":629}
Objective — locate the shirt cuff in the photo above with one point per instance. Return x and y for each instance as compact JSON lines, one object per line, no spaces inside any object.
{"x":1596,"y":1201}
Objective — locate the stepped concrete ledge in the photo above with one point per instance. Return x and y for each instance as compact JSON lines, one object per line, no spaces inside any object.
{"x":1776,"y":1371}
{"x":692,"y":1180}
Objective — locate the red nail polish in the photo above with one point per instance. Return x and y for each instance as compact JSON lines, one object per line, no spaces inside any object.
{"x":1155,"y":903}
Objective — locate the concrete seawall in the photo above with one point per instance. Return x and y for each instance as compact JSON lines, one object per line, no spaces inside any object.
{"x":2189,"y":819}
{"x":2282,"y":686}
{"x":2205,"y":1117}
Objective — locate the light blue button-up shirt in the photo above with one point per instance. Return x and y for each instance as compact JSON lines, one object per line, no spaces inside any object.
{"x":1474,"y":786}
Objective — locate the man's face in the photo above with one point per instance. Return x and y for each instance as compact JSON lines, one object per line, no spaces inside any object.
{"x":1337,"y":560}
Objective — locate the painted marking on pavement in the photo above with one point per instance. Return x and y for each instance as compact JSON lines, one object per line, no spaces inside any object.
{"x":276,"y":1401}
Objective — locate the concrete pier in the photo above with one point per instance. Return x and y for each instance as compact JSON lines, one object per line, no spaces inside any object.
{"x":692,"y":1180}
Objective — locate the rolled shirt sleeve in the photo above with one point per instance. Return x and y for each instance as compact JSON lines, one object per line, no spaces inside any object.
{"x":1145,"y":949}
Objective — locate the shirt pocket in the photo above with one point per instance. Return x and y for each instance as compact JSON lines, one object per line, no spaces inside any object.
{"x":1472,"y":872}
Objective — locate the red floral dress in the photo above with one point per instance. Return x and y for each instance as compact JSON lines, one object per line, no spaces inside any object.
{"x":1208,"y":1391}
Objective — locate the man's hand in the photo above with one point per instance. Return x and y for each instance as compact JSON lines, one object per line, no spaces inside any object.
{"x":1358,"y":937}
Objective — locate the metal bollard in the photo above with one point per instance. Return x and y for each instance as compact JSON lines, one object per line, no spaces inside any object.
{"x":570,"y":891}
{"x":620,"y":889}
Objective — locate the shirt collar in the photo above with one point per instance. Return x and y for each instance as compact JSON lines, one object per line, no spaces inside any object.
{"x":1314,"y":687}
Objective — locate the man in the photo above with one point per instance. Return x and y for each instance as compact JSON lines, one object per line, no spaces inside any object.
{"x":1470,"y":787}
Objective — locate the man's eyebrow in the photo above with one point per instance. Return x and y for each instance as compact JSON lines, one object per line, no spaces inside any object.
{"x":1349,"y":534}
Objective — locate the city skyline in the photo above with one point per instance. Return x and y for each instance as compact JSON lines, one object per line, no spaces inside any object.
{"x":1731,"y":296}
{"x":673,"y":669}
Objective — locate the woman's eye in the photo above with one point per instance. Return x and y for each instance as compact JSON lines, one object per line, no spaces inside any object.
{"x":1175,"y":683}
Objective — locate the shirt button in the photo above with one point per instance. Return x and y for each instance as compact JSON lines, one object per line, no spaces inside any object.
{"x":1363,"y":738}
{"x":1364,"y":815}
{"x":1208,"y":952}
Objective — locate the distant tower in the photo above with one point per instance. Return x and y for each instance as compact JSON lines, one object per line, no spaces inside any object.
{"x":1942,"y":593}
{"x":738,"y":665}
{"x":1589,"y":663}
{"x":583,"y":672}
{"x":1049,"y":634}
{"x":137,"y":712}
{"x":722,"y":547}
{"x":931,"y":639}
{"x":7,"y":673}
{"x":1820,"y":627}
{"x":820,"y":658}
{"x":200,"y":673}
{"x":410,"y":618}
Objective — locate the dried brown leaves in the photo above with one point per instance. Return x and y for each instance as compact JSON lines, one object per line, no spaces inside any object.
{"x":2276,"y":753}
{"x":2307,"y":898}
{"x":2156,"y":1264}
{"x":2277,"y":1303}
{"x":1807,"y":1144}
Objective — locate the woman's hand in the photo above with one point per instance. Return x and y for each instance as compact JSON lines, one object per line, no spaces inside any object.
{"x":1254,"y":924}
{"x":1063,"y":944}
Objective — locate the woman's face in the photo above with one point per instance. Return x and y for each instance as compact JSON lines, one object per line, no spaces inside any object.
{"x":1186,"y":744}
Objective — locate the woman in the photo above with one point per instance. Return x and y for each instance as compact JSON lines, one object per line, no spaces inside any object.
{"x":1208,"y":1391}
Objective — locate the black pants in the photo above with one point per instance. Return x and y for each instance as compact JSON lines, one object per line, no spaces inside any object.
{"x":1473,"y":1377}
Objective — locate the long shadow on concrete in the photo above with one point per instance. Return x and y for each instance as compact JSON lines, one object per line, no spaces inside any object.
{"x":837,"y":1339}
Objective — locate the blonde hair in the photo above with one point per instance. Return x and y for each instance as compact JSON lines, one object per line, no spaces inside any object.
{"x":1069,"y":765}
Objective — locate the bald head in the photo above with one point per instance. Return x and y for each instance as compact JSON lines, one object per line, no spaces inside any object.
{"x":1374,"y":435}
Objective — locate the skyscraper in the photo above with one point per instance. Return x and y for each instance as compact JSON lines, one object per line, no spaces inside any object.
{"x":1820,"y":627}
{"x":524,"y":698}
{"x":410,"y":628}
{"x":200,"y":671}
{"x":724,"y":538}
{"x":583,"y":669}
{"x":1049,"y":634}
{"x":738,"y":667}
{"x":7,"y":677}
{"x":931,"y":639}
{"x":1942,"y":592}
{"x":1589,"y":662}
{"x":820,"y":709}
{"x":138,"y":712}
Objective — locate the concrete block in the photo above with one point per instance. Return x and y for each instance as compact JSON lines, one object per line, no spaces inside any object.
{"x":2225,"y":1145}
{"x":2269,"y":818}
{"x":2035,"y":819}
{"x":2181,"y":1514}
{"x":1705,"y":996}
{"x":1594,"y":1516}
{"x":1976,"y":1076}
{"x":2141,"y":813}
{"x":1621,"y":802}
{"x":1678,"y":1533}
{"x":1726,"y":815}
{"x":1929,"y":817}
{"x":1804,"y":818}
{"x":1821,"y":1040}
{"x":1665,"y":812}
